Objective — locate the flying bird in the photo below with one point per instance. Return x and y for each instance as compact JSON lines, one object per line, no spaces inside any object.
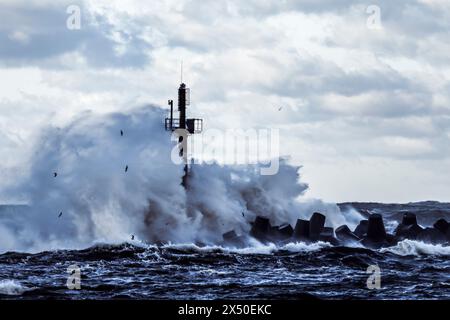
{"x":60,"y":214}
{"x":280,"y":108}
{"x":121,"y":133}
{"x":55,"y":174}
{"x":126,"y":169}
{"x":243,"y":214}
{"x":132,"y":237}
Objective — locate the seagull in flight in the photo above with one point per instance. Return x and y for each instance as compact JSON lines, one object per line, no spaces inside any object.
{"x":126,"y":168}
{"x":55,"y":174}
{"x":60,"y":214}
{"x":121,"y":133}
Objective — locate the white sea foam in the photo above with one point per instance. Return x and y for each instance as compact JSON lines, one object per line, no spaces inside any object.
{"x":411,"y":247}
{"x":11,"y":287}
{"x":255,"y":247}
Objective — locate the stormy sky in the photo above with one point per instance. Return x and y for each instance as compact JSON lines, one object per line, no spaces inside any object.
{"x":365,"y":101}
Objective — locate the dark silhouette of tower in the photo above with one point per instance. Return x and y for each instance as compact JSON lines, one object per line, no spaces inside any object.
{"x":183,"y":95}
{"x":183,"y":126}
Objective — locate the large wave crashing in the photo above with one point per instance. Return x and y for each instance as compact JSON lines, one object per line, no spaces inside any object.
{"x":99,"y":202}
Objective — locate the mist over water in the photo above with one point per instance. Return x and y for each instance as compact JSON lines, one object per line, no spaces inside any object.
{"x":99,"y":202}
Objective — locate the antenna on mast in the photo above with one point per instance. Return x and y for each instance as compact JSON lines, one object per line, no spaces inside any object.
{"x":181,"y":71}
{"x":188,"y":126}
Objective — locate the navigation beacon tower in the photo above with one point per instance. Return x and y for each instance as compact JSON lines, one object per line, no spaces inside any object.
{"x":183,"y":126}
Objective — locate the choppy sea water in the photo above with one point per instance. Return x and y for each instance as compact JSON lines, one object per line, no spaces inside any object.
{"x":410,"y":270}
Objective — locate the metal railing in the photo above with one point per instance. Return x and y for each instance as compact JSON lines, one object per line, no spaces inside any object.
{"x":172,"y":125}
{"x":192,"y":125}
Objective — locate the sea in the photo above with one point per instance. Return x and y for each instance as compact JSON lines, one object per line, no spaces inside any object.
{"x":294,"y":271}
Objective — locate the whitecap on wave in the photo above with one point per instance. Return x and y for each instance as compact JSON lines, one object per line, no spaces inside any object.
{"x":411,"y":247}
{"x":255,"y":248}
{"x":11,"y":288}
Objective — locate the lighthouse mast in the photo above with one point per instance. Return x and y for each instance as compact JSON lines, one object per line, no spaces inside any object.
{"x":187,"y":126}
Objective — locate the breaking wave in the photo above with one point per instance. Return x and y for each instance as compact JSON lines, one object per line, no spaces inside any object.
{"x":412,"y":247}
{"x":255,"y":248}
{"x":93,"y":198}
{"x":11,"y":288}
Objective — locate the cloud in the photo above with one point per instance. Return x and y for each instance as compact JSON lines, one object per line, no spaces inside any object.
{"x":33,"y":35}
{"x":351,"y":96}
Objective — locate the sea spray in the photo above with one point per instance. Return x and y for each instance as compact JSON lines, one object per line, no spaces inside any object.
{"x":94,"y":199}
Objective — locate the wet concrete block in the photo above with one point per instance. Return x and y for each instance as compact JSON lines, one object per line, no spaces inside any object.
{"x":431,"y":235}
{"x":343,"y":233}
{"x":375,"y":229}
{"x":230,"y":235}
{"x":316,"y":225}
{"x":376,"y":236}
{"x":273,"y":233}
{"x":232,"y":239}
{"x":408,"y":231}
{"x":261,"y":228}
{"x":391,"y":239}
{"x":301,"y":230}
{"x":361,"y":229}
{"x":409,"y":219}
{"x":286,"y":231}
{"x":327,"y":235}
{"x":327,"y":231}
{"x":442,"y":225}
